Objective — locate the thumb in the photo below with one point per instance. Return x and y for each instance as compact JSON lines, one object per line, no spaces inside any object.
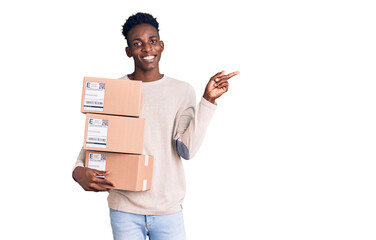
{"x":217,"y":75}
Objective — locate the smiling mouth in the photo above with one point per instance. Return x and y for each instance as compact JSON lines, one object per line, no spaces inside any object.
{"x":149,"y":57}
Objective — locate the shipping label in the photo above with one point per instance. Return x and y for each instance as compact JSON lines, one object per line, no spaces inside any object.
{"x":97,"y":133}
{"x":94,"y":96}
{"x":97,"y":161}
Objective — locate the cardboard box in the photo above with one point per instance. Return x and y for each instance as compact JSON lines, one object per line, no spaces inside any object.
{"x":114,"y":133}
{"x":111,"y":96}
{"x":127,"y":171}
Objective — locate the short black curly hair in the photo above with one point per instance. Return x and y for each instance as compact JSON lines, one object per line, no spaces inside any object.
{"x":139,"y":18}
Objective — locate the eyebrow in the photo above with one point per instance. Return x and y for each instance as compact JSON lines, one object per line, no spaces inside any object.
{"x":139,"y":39}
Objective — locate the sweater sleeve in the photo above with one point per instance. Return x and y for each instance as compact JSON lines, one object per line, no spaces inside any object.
{"x":80,"y":159}
{"x":192,"y":125}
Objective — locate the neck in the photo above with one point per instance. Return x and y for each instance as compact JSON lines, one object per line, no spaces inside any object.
{"x":146,"y":76}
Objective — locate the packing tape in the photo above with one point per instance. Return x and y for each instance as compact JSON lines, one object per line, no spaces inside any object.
{"x":144,"y":185}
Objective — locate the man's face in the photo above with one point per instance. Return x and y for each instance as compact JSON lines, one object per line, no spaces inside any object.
{"x":145,"y":47}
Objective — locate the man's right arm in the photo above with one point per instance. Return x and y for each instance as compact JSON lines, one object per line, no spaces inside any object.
{"x":88,"y":178}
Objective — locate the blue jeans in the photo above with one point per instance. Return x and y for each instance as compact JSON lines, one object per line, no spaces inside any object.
{"x":129,"y":226}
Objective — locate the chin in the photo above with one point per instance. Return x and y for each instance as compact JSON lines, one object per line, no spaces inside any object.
{"x":148,"y":68}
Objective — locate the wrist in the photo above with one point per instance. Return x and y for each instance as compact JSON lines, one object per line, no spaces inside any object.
{"x":76,"y":173}
{"x":209,"y":99}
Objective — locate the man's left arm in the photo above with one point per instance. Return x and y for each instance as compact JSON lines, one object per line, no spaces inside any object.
{"x":192,"y":124}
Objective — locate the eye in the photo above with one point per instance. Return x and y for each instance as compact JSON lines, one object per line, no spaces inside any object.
{"x":137,"y":44}
{"x":153,"y":41}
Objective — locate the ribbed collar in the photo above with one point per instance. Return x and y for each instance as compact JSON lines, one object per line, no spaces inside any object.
{"x":163,"y":79}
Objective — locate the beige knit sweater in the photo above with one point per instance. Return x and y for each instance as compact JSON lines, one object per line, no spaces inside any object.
{"x":174,"y":128}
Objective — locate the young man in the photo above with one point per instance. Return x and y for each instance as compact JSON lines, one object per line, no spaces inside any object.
{"x":174,"y":128}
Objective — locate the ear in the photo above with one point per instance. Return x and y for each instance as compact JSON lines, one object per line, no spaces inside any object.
{"x":128,"y":52}
{"x":161,"y":43}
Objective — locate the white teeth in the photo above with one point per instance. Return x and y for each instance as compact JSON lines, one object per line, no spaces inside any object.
{"x":148,"y":57}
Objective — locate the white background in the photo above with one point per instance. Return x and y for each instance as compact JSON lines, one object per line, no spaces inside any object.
{"x":290,"y":153}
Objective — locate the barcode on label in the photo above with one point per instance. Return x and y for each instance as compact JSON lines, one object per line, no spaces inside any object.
{"x":96,"y":139}
{"x":94,"y":102}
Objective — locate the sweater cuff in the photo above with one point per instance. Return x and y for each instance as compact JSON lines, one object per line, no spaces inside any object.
{"x":208,"y":104}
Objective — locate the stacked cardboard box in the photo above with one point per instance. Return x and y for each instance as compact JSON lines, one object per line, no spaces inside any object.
{"x":114,"y":132}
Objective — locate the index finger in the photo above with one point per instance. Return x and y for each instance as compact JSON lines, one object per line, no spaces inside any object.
{"x":103,"y":181}
{"x":102,"y":173}
{"x":230,"y":75}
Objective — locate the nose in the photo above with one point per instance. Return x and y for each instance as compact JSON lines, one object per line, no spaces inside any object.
{"x":147,"y":47}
